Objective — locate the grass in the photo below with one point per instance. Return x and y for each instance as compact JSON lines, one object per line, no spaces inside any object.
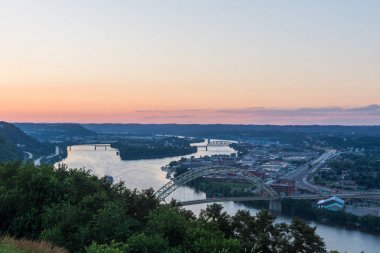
{"x":10,"y":245}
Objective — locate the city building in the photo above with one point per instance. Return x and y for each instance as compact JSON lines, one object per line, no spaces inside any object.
{"x":224,"y":161}
{"x":284,"y":187}
{"x":274,"y":166}
{"x":332,"y":204}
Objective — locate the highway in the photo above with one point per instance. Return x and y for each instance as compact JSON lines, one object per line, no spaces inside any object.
{"x":30,"y":155}
{"x":37,"y":162}
{"x":300,"y":175}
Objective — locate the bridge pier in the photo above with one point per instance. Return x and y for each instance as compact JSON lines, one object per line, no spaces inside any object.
{"x":275,"y":205}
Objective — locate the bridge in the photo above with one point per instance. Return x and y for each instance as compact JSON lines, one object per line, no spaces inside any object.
{"x":267,"y":193}
{"x":94,"y":147}
{"x":218,"y":143}
{"x":184,"y":178}
{"x":372,"y":196}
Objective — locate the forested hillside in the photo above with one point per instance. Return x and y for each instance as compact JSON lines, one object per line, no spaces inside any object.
{"x":13,"y":142}
{"x":8,"y":150}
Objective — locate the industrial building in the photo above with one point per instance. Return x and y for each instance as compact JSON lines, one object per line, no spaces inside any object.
{"x":332,"y":204}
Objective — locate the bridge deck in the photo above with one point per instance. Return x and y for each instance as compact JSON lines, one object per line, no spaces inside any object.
{"x":255,"y":198}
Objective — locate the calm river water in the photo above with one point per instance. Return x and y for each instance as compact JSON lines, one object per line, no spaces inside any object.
{"x":144,"y":174}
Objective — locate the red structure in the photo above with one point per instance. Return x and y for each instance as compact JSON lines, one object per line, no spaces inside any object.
{"x":259,"y":174}
{"x":284,"y":186}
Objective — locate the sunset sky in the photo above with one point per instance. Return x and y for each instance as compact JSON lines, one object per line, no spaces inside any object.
{"x":198,"y":61}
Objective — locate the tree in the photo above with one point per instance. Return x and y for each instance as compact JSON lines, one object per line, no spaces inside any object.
{"x":214,"y":213}
{"x":304,"y":238}
{"x":168,"y":222}
{"x":104,"y":248}
{"x":143,"y":243}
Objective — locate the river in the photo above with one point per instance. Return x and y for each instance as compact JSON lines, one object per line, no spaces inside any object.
{"x":142,"y":174}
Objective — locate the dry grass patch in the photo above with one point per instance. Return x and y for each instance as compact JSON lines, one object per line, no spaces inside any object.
{"x":27,"y":246}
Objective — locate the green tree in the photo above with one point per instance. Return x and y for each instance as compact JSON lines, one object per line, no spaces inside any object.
{"x":304,"y":238}
{"x":143,"y":243}
{"x":215,"y":213}
{"x":168,"y":222}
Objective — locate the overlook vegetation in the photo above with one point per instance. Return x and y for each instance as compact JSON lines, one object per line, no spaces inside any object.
{"x":83,"y":213}
{"x":11,"y":245}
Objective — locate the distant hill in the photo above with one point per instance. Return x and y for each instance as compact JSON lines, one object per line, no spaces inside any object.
{"x":49,"y":132}
{"x":229,"y":131}
{"x":13,"y":142}
{"x":316,"y":135}
{"x":18,"y":136}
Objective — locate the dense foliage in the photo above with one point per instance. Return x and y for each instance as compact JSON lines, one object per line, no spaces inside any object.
{"x":70,"y":208}
{"x":78,"y":211}
{"x":223,"y":188}
{"x":154,"y":148}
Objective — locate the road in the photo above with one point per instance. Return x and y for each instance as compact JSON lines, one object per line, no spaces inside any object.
{"x":300,"y":175}
{"x":30,"y":155}
{"x":37,"y":162}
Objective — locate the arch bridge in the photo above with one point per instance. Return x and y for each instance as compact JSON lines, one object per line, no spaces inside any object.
{"x":267,"y":192}
{"x":190,"y":175}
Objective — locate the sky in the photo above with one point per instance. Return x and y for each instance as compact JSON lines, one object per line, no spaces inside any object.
{"x":198,"y":61}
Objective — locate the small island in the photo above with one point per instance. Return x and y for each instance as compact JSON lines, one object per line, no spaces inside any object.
{"x":155,"y":147}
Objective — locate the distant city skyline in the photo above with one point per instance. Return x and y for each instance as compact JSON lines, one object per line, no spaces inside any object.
{"x":215,"y":61}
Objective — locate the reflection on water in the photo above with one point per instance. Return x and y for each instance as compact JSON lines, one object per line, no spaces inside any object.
{"x":144,"y":174}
